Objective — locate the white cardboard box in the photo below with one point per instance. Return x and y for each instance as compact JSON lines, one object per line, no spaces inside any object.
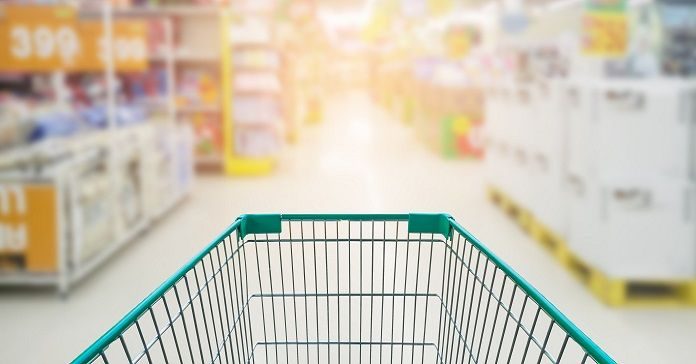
{"x":635,"y":230}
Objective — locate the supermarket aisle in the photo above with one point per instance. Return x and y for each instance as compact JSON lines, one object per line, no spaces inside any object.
{"x":359,"y":160}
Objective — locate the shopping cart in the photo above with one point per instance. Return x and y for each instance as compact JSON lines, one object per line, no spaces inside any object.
{"x":415,"y":288}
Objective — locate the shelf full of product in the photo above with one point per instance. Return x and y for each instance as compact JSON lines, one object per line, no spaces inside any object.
{"x":199,"y":89}
{"x":256,"y":112}
{"x":64,"y":212}
{"x":72,"y":191}
{"x":606,"y":166}
{"x":89,"y":157}
{"x":595,"y":158}
{"x":187,"y":36}
{"x":435,"y":95}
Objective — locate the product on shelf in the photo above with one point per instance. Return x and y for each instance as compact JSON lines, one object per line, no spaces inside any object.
{"x":130,"y":190}
{"x":145,"y":86}
{"x":445,"y":99}
{"x":208,"y":133}
{"x":256,"y":141}
{"x":15,"y":125}
{"x":251,"y":30}
{"x":679,"y":23}
{"x":255,"y":58}
{"x":256,"y":82}
{"x":167,"y":160}
{"x":76,"y":185}
{"x":256,"y":109}
{"x":157,"y":37}
{"x":258,"y":94}
{"x":197,"y":87}
{"x":54,"y":123}
{"x":92,"y":211}
{"x":183,"y":142}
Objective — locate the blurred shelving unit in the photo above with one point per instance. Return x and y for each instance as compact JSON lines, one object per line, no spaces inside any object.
{"x":253,"y":114}
{"x":435,"y":87}
{"x":197,"y":54}
{"x":222,"y":81}
{"x":91,"y":155}
{"x":198,"y":58}
{"x":590,"y":146}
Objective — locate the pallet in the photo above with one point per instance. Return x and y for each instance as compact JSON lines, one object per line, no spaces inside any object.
{"x":550,"y":241}
{"x":610,"y":290}
{"x":516,"y":212}
{"x":646,"y":293}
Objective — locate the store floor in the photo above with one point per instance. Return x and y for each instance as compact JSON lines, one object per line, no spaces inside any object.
{"x":359,"y":160}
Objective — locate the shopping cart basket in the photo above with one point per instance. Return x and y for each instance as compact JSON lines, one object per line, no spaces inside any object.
{"x":415,"y":288}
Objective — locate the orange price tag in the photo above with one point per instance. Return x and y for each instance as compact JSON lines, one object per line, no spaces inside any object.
{"x":28,"y":227}
{"x":129,"y":45}
{"x":50,"y":38}
{"x":605,"y":34}
{"x":38,"y":38}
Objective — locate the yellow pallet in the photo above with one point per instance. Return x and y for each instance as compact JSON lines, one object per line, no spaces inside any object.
{"x":519,"y":214}
{"x":495,"y":195}
{"x":632,"y":292}
{"x":550,"y":241}
{"x":612,"y":291}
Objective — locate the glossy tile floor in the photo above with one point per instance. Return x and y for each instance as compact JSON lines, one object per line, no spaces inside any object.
{"x":359,"y":160}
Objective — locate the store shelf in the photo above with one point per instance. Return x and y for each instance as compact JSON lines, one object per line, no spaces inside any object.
{"x":98,"y":260}
{"x":197,"y":58}
{"x":186,"y":57}
{"x":87,"y":158}
{"x":242,"y":68}
{"x":250,"y":44}
{"x":209,"y":160}
{"x":19,"y":278}
{"x":258,"y":92}
{"x":158,"y":11}
{"x":28,"y":279}
{"x":161,"y":101}
{"x":199,"y":109}
{"x":51,"y":148}
{"x":157,"y":57}
{"x":248,"y":77}
{"x":259,"y":123}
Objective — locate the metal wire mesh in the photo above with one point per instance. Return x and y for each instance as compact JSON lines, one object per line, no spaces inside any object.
{"x":344,"y":292}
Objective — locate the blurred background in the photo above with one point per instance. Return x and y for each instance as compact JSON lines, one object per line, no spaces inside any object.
{"x":561,"y":132}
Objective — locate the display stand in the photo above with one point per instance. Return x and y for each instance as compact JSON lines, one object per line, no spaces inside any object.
{"x":68,"y":203}
{"x":251,"y":69}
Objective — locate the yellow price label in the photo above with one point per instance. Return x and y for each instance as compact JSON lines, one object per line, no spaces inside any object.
{"x":605,"y":34}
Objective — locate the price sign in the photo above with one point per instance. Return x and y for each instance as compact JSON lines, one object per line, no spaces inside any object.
{"x":605,"y":28}
{"x":605,"y":34}
{"x":28,"y":227}
{"x":49,"y":38}
{"x":38,"y":38}
{"x":129,"y":45}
